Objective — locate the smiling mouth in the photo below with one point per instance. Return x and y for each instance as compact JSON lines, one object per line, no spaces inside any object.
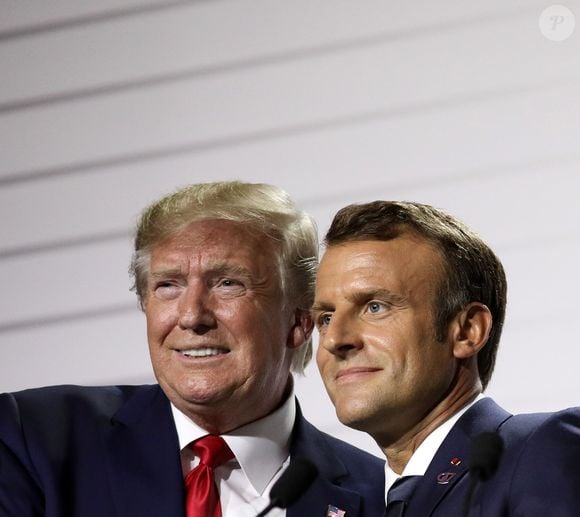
{"x":204,"y":352}
{"x":354,"y":372}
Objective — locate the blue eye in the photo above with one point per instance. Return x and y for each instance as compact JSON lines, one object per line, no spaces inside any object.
{"x":323,"y":320}
{"x":375,"y":307}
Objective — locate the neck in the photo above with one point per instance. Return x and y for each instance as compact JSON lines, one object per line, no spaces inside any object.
{"x":398,"y":447}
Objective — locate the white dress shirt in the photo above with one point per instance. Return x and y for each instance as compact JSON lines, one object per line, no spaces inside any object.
{"x":422,"y":457}
{"x":261,"y":453}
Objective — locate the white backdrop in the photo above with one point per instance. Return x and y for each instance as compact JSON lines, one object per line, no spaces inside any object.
{"x":105,"y":106}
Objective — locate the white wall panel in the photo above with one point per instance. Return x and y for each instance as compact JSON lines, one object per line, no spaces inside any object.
{"x":446,"y":68}
{"x":110,"y":350}
{"x":50,"y":284}
{"x":537,"y":366}
{"x":209,"y":36}
{"x":541,"y":278}
{"x":19,"y":15}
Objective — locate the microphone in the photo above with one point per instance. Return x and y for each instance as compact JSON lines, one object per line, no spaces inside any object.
{"x":293,"y":482}
{"x":486,"y":452}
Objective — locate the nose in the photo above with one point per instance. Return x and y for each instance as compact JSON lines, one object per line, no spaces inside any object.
{"x":340,"y":337}
{"x":195,"y":313}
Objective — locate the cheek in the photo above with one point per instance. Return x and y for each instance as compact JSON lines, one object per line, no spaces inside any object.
{"x":237,"y":313}
{"x":381,"y":343}
{"x":160,"y":321}
{"x":324,"y":363}
{"x":321,"y":357}
{"x":249,"y":318}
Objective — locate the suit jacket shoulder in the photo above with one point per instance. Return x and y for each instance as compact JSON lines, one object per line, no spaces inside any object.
{"x":538,"y":473}
{"x":70,"y":450}
{"x":542,"y":463}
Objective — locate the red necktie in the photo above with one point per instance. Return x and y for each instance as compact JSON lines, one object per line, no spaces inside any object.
{"x":201,"y":493}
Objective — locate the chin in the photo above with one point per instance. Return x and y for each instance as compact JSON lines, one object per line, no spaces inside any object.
{"x":200,"y":396}
{"x":187,"y":393}
{"x":354,"y":415}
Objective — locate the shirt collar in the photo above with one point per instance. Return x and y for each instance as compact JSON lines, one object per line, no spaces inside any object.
{"x":260,"y":447}
{"x":422,"y":457}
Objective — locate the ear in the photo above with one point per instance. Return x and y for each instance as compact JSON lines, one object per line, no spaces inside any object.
{"x":470,"y":330}
{"x":301,"y":330}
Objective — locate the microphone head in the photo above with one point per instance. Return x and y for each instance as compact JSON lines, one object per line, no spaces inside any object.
{"x":293,"y":482}
{"x":486,"y":451}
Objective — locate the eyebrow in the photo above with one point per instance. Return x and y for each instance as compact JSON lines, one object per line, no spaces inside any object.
{"x":362,"y":297}
{"x":169,"y":272}
{"x":381,"y":294}
{"x":219,"y":269}
{"x":322,"y":306}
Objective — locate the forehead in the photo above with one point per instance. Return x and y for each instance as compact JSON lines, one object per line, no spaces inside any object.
{"x":407,"y":264}
{"x":217,"y":240}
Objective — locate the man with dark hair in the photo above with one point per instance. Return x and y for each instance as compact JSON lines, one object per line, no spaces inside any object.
{"x":409,"y":304}
{"x":224,"y":273}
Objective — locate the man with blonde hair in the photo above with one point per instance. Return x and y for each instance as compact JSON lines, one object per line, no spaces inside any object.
{"x":224,"y":274}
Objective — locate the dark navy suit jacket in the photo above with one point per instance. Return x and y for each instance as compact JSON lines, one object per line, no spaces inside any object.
{"x":113,"y":451}
{"x":538,"y":476}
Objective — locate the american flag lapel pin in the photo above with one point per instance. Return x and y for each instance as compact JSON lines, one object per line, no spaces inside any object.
{"x":333,"y":511}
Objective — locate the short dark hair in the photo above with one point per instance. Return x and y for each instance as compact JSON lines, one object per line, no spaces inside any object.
{"x":472,"y":271}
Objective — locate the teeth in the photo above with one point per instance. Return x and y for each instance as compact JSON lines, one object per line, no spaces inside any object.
{"x":203,"y":352}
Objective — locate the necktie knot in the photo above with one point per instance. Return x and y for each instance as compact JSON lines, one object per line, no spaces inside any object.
{"x":212,"y":451}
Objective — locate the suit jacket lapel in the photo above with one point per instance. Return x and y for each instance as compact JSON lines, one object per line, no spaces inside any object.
{"x":450,"y":463}
{"x":144,"y":460}
{"x":309,"y":443}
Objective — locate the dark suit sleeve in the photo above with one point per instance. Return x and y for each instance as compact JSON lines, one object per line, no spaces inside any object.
{"x":547,"y":477}
{"x":20,"y":495}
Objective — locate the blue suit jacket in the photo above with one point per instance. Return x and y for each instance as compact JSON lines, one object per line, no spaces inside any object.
{"x":538,"y":476}
{"x":113,"y":451}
